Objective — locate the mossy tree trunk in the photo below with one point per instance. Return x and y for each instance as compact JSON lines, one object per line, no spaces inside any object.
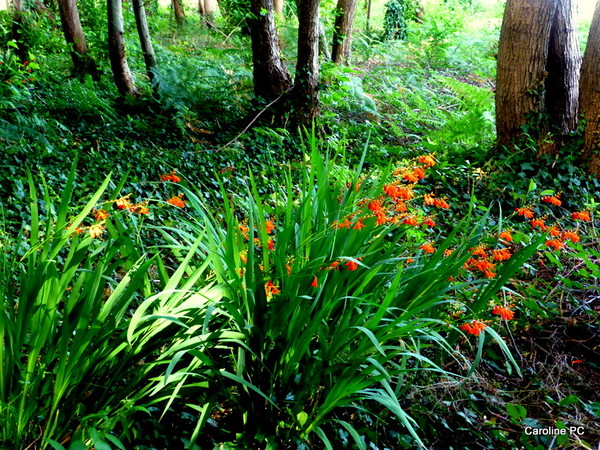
{"x":305,"y":92}
{"x":271,"y":77}
{"x":71,"y":25}
{"x":116,"y":49}
{"x":141,"y":22}
{"x":342,"y":30}
{"x":590,"y":95}
{"x":178,"y":11}
{"x":18,"y":22}
{"x":521,"y":72}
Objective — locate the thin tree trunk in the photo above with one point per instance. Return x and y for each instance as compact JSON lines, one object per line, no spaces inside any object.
{"x":305,"y":92}
{"x":71,"y":25}
{"x":116,"y":49}
{"x":21,"y":50}
{"x":323,"y":47}
{"x":342,"y":31}
{"x":563,"y":67}
{"x":271,"y":77}
{"x":521,"y":73}
{"x":278,"y":7}
{"x":141,"y":23}
{"x":178,"y":11}
{"x":589,"y":92}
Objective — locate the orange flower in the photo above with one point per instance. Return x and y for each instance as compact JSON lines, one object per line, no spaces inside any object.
{"x":429,"y":199}
{"x":581,"y":215}
{"x":271,"y":289}
{"x":244,"y":257}
{"x":271,"y":244}
{"x":381,"y":218}
{"x":334,"y":265}
{"x":504,"y":312}
{"x":475,"y":327}
{"x":101,"y":214}
{"x":502,"y":254}
{"x":429,"y":222}
{"x":538,"y":223}
{"x":96,"y":231}
{"x":359,"y":224}
{"x":555,"y":244}
{"x":400,"y":206}
{"x":409,"y":260}
{"x":552,"y":199}
{"x":419,"y":172}
{"x":440,"y":203}
{"x":391,"y":190}
{"x":123,"y":202}
{"x":351,"y":265}
{"x":525,"y":212}
{"x":270,"y":226}
{"x":375,"y":206}
{"x":176,"y":201}
{"x":315,"y":282}
{"x":411,"y":220}
{"x":479,"y":251}
{"x":427,"y":248}
{"x":405,"y":193}
{"x":345,"y":224}
{"x":506,"y":236}
{"x":170,"y":177}
{"x":554,"y":231}
{"x":244,"y":229}
{"x":571,"y":236}
{"x":428,"y":160}
{"x":448,"y":251}
{"x":139,"y":209}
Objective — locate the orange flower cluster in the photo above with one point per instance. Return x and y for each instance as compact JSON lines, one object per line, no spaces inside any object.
{"x":271,"y":289}
{"x":475,"y":327}
{"x":172,"y":177}
{"x":504,"y":312}
{"x":177,"y":201}
{"x":552,"y":199}
{"x":581,"y":215}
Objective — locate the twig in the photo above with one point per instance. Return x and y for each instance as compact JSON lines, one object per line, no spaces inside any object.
{"x":255,"y":119}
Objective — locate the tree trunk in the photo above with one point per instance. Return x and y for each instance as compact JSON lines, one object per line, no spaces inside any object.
{"x":323,"y":47}
{"x":207,"y":8}
{"x":305,"y":92}
{"x":116,"y":49}
{"x":342,"y":31}
{"x":21,"y":50}
{"x":271,"y":77}
{"x":521,"y":73}
{"x":71,"y":25}
{"x":563,"y":66}
{"x":278,"y":6}
{"x":141,"y":23}
{"x":178,"y":11}
{"x":589,"y":91}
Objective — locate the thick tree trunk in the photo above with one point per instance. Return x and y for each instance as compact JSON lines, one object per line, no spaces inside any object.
{"x":278,"y":7}
{"x":21,"y":50}
{"x":271,"y":77}
{"x":342,"y":31}
{"x":522,"y":56}
{"x":589,"y":92}
{"x":207,"y":8}
{"x":116,"y":49}
{"x":563,"y":66}
{"x":178,"y":11}
{"x":305,"y":92}
{"x":71,"y":25}
{"x":141,"y":23}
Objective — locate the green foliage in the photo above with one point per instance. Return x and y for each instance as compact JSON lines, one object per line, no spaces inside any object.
{"x":397,"y":14}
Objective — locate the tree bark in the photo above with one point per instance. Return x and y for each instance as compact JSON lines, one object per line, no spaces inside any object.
{"x":522,"y":56}
{"x":71,"y":25}
{"x":342,"y":31}
{"x":116,"y":50}
{"x":21,"y":50}
{"x":271,"y":77}
{"x":141,"y":23}
{"x":178,"y":11}
{"x":563,"y":67}
{"x":278,"y":7}
{"x":305,"y":92}
{"x":589,"y":92}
